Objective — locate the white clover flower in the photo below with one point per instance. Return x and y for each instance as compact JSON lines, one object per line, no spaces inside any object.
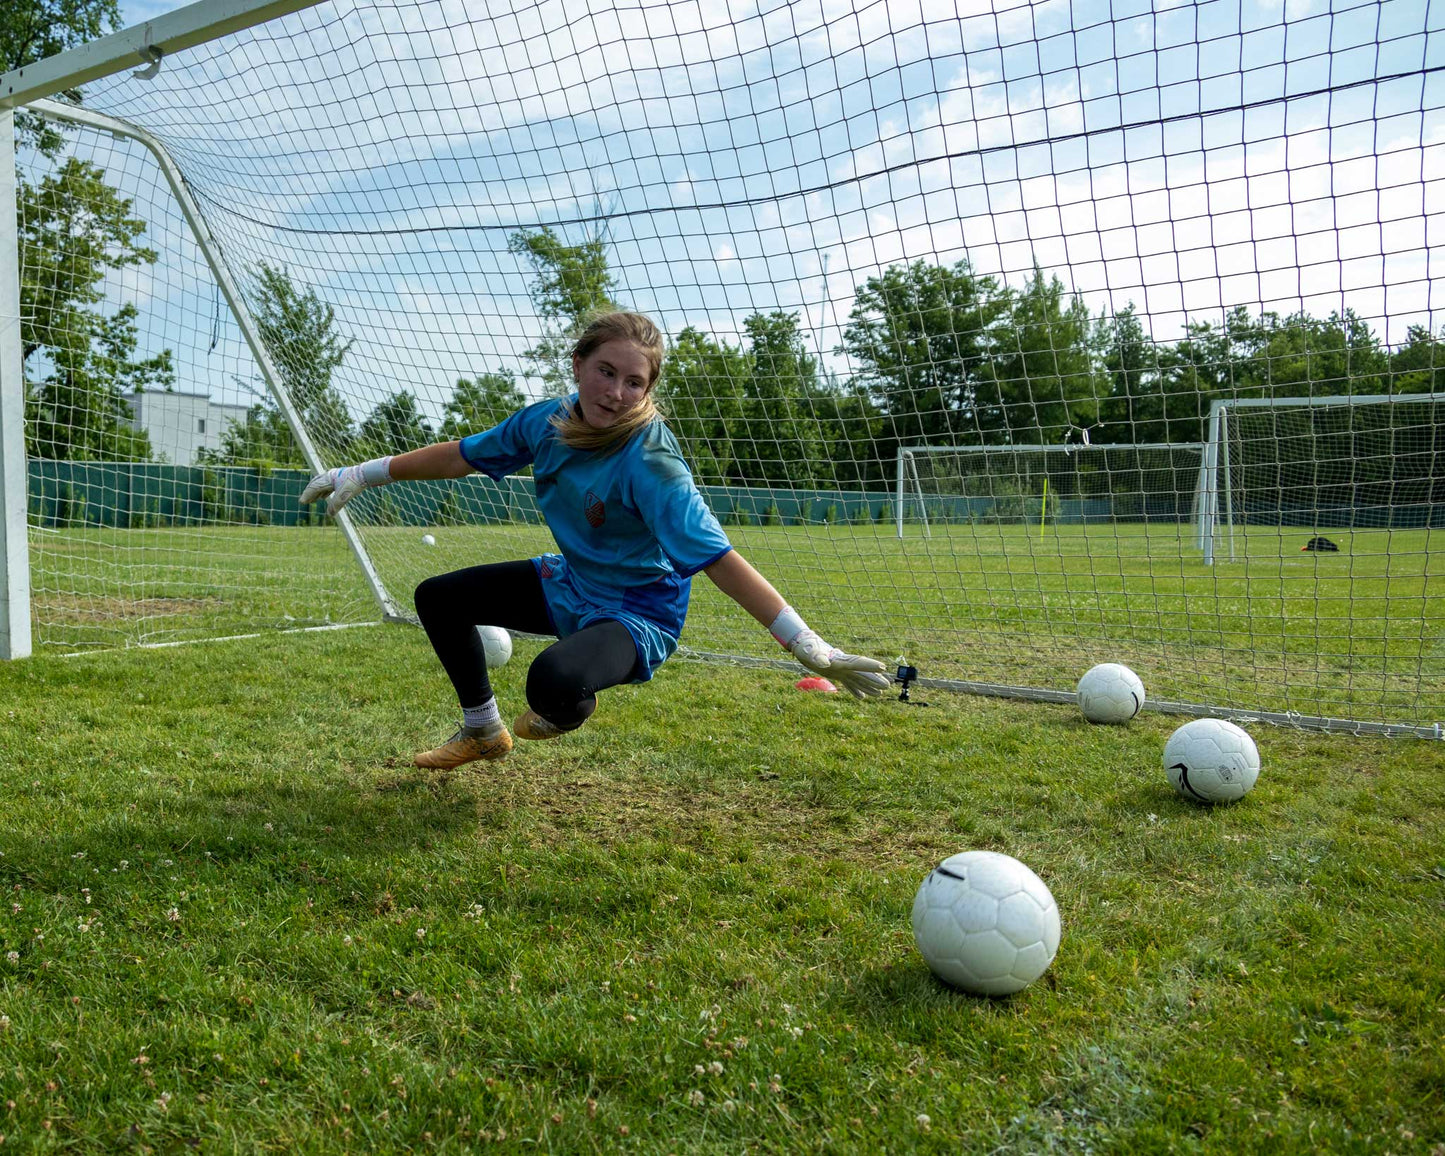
{"x":174,"y":915}
{"x":696,"y":1098}
{"x":421,"y":932}
{"x":12,"y":957}
{"x":923,"y":1122}
{"x":715,"y":1068}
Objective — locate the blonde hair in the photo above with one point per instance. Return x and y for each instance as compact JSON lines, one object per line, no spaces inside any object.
{"x":572,"y":428}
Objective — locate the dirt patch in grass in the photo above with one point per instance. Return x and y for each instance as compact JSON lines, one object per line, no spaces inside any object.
{"x":103,"y":608}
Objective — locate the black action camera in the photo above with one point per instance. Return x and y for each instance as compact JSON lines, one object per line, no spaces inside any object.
{"x":905,"y":675}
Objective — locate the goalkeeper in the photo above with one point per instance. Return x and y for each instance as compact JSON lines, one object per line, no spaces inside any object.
{"x":631,"y":530}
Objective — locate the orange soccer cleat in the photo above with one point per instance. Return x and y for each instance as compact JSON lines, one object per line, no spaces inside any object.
{"x":530,"y":725}
{"x":466,"y":747}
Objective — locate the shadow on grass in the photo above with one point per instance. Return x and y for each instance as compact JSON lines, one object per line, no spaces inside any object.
{"x":398,"y":813}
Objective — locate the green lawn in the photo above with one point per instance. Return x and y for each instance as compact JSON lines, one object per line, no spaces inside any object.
{"x":241,"y":922}
{"x":1359,"y":634}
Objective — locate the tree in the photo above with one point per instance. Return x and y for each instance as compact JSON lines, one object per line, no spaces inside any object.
{"x":1418,"y":366}
{"x":479,"y":403}
{"x":921,"y":336}
{"x":74,"y":230}
{"x":851,"y":426}
{"x":1040,"y":384}
{"x":779,"y":439}
{"x":1304,"y":356}
{"x":299,"y":332}
{"x":702,"y":392}
{"x":1138,"y":375}
{"x":31,"y":30}
{"x":571,"y":282}
{"x":1208,"y":362}
{"x":395,"y":426}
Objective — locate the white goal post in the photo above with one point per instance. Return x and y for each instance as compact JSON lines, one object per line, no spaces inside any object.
{"x":143,"y":45}
{"x":121,"y":130}
{"x":1009,"y":483}
{"x":1220,"y":479}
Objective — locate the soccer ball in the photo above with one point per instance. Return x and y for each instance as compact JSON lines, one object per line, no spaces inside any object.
{"x":1211,"y":761}
{"x":428,"y":540}
{"x":985,"y":923}
{"x":1110,"y":693}
{"x":497,"y":644}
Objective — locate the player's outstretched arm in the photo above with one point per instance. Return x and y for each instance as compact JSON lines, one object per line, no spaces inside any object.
{"x":735,"y":577}
{"x":340,"y":485}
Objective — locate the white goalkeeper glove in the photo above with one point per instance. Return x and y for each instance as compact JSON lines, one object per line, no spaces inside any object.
{"x":861,"y":677}
{"x":345,"y":482}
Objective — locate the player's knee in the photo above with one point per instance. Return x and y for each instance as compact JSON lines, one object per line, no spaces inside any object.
{"x":558,"y":692}
{"x":427,"y":594}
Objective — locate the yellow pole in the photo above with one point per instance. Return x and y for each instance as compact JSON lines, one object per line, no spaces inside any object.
{"x":1043,"y":509}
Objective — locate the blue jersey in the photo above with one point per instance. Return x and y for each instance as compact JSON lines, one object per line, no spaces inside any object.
{"x":631,"y":527}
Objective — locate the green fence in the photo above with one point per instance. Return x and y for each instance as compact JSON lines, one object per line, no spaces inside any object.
{"x":134,"y":494}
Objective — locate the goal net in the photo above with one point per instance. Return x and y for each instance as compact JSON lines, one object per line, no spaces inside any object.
{"x":910,"y":262}
{"x":1127,"y":489}
{"x":1336,"y":466}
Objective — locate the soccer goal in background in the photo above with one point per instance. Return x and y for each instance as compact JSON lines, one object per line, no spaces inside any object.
{"x":1068,"y":485}
{"x":1338,"y":464}
{"x":910,"y":263}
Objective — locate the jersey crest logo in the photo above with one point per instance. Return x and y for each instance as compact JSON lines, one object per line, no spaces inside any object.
{"x":545,"y":569}
{"x":594,"y":509}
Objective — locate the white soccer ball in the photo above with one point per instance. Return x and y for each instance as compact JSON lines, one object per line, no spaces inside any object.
{"x":497,"y":644}
{"x":428,"y":540}
{"x":1110,"y":693}
{"x":985,"y":923}
{"x":1211,"y":761}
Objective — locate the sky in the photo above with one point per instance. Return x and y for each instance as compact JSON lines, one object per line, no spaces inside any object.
{"x":141,"y":11}
{"x":1185,"y":158}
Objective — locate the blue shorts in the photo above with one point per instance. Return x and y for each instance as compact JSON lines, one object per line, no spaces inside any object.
{"x":573,"y":607}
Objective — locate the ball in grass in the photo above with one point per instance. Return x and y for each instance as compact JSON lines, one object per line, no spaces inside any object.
{"x":985,"y":923}
{"x":1110,"y":693}
{"x":497,"y":644}
{"x":1211,"y":761}
{"x":815,"y":683}
{"x":428,"y":540}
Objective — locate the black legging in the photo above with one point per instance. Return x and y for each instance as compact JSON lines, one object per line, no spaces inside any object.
{"x":564,"y":679}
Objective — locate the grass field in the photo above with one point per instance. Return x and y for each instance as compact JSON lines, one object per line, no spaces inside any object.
{"x":1359,"y":634}
{"x":235,"y":919}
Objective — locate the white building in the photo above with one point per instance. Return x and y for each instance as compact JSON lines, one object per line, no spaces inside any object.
{"x":181,"y":424}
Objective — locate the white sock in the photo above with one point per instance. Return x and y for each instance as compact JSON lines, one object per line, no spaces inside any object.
{"x":482,"y":718}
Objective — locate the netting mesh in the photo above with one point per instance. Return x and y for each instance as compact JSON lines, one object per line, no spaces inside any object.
{"x":863,"y":228}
